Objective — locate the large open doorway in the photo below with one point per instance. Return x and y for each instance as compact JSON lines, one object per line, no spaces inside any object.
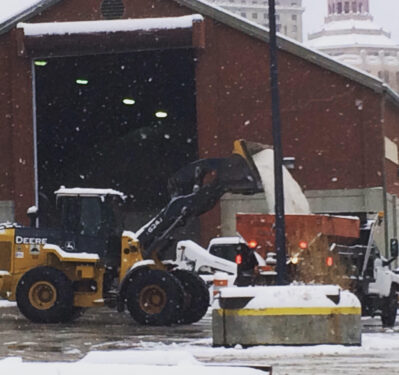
{"x":124,"y":121}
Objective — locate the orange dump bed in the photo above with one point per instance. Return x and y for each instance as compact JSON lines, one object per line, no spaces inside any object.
{"x":260,"y":227}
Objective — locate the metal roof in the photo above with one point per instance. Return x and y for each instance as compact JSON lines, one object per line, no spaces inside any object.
{"x":252,"y":29}
{"x":26,"y":14}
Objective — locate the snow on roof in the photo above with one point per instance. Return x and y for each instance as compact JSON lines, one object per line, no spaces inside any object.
{"x":245,"y":26}
{"x":10,"y":9}
{"x":60,"y":28}
{"x":351,"y":32}
{"x":88,"y":192}
{"x":353,"y":39}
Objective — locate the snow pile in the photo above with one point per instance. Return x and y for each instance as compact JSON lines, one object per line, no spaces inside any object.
{"x":145,"y":24}
{"x":153,"y":357}
{"x":292,"y":296}
{"x":4,"y":303}
{"x":126,"y":362}
{"x":295,"y":201}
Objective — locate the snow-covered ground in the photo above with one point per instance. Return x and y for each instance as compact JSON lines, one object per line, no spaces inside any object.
{"x":128,"y":362}
{"x":4,"y":303}
{"x":178,"y":349}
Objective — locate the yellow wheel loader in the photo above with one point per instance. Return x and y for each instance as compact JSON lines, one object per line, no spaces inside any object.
{"x":87,"y":259}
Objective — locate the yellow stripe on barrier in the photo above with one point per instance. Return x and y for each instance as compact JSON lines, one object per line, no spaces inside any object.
{"x":291,"y":311}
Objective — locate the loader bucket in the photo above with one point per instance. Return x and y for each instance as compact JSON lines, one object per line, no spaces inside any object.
{"x":235,"y":174}
{"x":246,"y":150}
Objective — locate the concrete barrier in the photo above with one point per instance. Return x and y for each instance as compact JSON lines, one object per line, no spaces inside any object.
{"x":286,"y":315}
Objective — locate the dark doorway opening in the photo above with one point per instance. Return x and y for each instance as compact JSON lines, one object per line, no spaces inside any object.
{"x":122,"y":121}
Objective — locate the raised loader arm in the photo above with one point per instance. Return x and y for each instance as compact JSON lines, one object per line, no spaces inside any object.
{"x":196,"y":188}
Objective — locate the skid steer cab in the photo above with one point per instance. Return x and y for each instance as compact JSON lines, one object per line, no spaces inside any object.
{"x":86,"y":258}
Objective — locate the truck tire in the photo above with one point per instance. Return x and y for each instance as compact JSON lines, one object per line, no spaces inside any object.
{"x":154,"y":297}
{"x":389,"y":308}
{"x":45,"y":295}
{"x":196,"y":297}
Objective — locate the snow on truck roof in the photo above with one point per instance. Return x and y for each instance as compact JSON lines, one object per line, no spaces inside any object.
{"x":87,"y":192}
{"x":226,"y":240}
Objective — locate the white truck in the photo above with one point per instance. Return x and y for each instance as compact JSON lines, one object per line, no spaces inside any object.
{"x":231,"y":255}
{"x":371,"y":277}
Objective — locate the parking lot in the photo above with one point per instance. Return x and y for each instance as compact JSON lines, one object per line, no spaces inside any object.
{"x":106,"y":330}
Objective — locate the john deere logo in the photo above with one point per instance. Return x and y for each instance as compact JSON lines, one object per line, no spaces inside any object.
{"x":30,"y":240}
{"x":69,"y":245}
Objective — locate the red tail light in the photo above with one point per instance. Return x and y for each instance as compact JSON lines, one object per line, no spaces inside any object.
{"x":303,"y":245}
{"x":238,"y":259}
{"x":252,"y":244}
{"x":329,"y":261}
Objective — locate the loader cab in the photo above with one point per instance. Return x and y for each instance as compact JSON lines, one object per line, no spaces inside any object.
{"x":92,"y":221}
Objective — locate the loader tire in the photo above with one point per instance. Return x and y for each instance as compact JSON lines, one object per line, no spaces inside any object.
{"x":389,"y":308}
{"x":45,"y":295}
{"x":154,"y":297}
{"x":196,"y":297}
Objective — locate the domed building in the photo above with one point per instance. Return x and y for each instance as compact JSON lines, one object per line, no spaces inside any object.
{"x":288,"y":14}
{"x":352,"y":37}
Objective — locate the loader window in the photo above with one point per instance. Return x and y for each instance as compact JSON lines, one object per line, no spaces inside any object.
{"x":90,"y":217}
{"x":225,"y":251}
{"x":69,"y":207}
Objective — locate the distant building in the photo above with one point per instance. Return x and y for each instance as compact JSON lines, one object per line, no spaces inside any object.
{"x":288,"y":14}
{"x":351,"y":36}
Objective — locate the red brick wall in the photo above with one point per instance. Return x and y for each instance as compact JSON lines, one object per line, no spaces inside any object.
{"x":329,"y":123}
{"x":16,"y":130}
{"x":322,"y":125}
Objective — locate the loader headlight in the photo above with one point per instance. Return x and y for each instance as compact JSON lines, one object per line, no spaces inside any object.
{"x":294,"y":259}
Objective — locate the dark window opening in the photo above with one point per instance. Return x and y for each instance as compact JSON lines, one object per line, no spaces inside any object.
{"x":122,"y":121}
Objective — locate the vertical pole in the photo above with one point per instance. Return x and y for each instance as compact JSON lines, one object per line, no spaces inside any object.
{"x":278,"y":154}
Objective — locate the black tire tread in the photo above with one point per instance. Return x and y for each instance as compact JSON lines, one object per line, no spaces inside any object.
{"x":171,"y":286}
{"x":197,"y":297}
{"x":62,"y":311}
{"x":389,"y":308}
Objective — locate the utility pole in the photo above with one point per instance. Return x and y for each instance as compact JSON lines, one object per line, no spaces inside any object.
{"x":278,"y":153}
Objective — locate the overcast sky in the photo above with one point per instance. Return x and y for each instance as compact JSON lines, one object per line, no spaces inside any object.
{"x":385,"y":12}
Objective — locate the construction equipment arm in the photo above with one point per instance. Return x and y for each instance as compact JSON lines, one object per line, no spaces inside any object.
{"x":196,"y":188}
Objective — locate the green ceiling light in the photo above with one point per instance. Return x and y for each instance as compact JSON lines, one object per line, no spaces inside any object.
{"x":82,"y":81}
{"x":40,"y":62}
{"x":128,"y":101}
{"x":161,"y":114}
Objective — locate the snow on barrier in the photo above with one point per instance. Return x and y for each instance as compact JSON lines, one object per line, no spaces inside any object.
{"x":286,"y":315}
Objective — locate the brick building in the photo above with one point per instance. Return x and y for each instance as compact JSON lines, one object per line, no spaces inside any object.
{"x":121,"y":93}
